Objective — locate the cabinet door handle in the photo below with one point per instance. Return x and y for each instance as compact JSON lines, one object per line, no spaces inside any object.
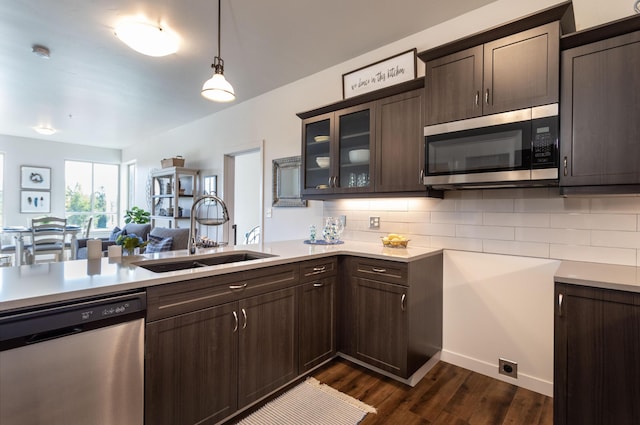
{"x":335,"y":181}
{"x":319,"y":269}
{"x":378,"y":270}
{"x":564,"y":164}
{"x":241,"y":286}
{"x":477,"y":102}
{"x":486,"y":97}
{"x":244,"y":317}
{"x":560,"y":299}
{"x":318,"y":284}
{"x":421,"y":177}
{"x":403,"y":304}
{"x":235,"y":316}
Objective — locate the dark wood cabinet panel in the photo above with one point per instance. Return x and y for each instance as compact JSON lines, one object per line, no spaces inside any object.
{"x":522,"y":70}
{"x":268,"y":344}
{"x":381,"y":325}
{"x":191,"y":367}
{"x":597,"y":346}
{"x":400,"y":143}
{"x":599,"y":130}
{"x":514,"y":72}
{"x":453,"y":86}
{"x":317,"y":314}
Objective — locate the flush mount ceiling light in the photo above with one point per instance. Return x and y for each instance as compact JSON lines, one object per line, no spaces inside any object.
{"x":217,"y":88}
{"x":47,"y":131}
{"x":147,"y":38}
{"x":40,"y":51}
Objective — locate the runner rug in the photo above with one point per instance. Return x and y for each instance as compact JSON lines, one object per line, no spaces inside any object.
{"x":310,"y":403}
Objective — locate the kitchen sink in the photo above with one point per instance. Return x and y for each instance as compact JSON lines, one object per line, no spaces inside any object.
{"x":184,"y":263}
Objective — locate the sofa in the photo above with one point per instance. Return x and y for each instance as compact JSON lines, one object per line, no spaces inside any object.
{"x":162,"y":239}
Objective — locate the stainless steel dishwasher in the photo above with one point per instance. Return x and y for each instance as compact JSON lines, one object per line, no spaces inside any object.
{"x":78,"y":363}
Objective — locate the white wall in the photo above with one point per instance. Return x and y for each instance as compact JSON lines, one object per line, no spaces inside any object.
{"x":247,"y":193}
{"x":20,"y":151}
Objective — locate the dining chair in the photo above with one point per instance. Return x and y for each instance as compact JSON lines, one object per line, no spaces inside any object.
{"x":48,"y":236}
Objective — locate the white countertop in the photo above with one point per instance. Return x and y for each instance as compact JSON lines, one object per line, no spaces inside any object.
{"x":607,"y":276}
{"x":39,"y":284}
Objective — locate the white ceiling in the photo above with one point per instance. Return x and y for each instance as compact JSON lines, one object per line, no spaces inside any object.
{"x":98,"y":92}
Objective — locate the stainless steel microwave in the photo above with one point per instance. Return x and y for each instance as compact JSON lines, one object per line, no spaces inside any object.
{"x":516,"y":148}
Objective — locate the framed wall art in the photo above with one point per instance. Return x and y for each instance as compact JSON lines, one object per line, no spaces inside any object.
{"x":387,"y":72}
{"x":35,"y":201}
{"x":38,"y":178}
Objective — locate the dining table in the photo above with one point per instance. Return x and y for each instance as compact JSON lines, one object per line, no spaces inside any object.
{"x":19,"y":233}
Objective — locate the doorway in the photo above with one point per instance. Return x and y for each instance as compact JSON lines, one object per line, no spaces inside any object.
{"x":244,"y":194}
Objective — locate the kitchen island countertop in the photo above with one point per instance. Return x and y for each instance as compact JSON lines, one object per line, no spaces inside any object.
{"x":41,"y":284}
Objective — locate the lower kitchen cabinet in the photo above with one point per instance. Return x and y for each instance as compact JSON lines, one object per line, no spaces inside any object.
{"x":317,"y":315}
{"x":392,"y":312}
{"x":268,"y":344}
{"x":191,"y":367}
{"x":597,"y":347}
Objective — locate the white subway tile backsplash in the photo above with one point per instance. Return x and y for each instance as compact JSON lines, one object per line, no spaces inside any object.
{"x":535,"y":222}
{"x":594,"y":221}
{"x":485,"y":232}
{"x":622,"y":256}
{"x":516,"y":219}
{"x":456,"y":217}
{"x":528,"y":249}
{"x":615,"y":239}
{"x":561,"y":236}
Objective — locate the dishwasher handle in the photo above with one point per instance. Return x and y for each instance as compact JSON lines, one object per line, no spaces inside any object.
{"x":56,"y":333}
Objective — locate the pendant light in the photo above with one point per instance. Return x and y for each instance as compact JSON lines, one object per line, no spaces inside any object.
{"x":217,"y":88}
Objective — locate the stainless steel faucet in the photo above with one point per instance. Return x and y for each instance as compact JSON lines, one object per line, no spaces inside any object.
{"x":215,"y":221}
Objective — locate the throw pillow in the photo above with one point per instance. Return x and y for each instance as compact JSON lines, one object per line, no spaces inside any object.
{"x":157,"y":244}
{"x":116,"y":232}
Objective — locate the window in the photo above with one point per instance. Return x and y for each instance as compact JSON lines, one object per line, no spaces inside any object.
{"x":92,"y":190}
{"x":1,"y":190}
{"x":131,"y":185}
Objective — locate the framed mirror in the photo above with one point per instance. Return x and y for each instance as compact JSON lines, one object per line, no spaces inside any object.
{"x":286,"y":182}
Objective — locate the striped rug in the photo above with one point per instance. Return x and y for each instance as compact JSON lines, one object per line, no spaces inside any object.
{"x":310,"y":403}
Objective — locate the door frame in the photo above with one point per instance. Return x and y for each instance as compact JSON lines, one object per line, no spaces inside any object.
{"x":229,"y":181}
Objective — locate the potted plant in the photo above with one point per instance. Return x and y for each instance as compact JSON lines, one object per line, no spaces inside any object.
{"x":130,"y":242}
{"x":137,"y":215}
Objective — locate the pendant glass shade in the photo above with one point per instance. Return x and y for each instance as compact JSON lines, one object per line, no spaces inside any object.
{"x":218,"y":89}
{"x":147,"y":38}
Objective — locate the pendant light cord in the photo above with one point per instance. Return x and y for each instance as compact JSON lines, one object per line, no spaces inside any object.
{"x":219,"y":28}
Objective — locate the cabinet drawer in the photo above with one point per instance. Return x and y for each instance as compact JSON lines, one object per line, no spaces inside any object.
{"x":184,"y":297}
{"x":318,"y":269}
{"x":385,"y":271}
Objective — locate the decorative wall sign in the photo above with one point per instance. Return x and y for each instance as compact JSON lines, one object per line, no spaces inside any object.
{"x":35,"y":201}
{"x":387,"y":72}
{"x":35,"y":178}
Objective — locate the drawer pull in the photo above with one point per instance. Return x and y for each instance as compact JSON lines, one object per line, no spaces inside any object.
{"x":403,"y":305}
{"x":319,"y":269}
{"x":378,"y":270}
{"x":318,"y":284}
{"x":244,"y":316}
{"x":232,"y":287}
{"x":235,"y":316}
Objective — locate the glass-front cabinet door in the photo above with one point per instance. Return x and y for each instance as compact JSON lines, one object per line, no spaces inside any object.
{"x":355,"y":145}
{"x":338,"y":151}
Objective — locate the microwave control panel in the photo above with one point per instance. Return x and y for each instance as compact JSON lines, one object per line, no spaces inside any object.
{"x":545,"y":142}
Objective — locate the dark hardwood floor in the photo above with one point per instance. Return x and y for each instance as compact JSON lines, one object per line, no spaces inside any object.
{"x":447,"y":395}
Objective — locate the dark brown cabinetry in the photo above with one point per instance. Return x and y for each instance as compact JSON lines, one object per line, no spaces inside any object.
{"x":399,"y":162}
{"x":510,"y":73}
{"x":597,"y":346}
{"x":330,"y":143}
{"x":395,"y":322}
{"x":317,"y":312}
{"x":599,"y":130}
{"x":217,"y":344}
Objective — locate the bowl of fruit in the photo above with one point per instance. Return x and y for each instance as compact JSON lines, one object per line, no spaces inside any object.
{"x":393,"y":240}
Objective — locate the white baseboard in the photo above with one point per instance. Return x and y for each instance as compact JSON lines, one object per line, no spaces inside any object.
{"x":525,"y":381}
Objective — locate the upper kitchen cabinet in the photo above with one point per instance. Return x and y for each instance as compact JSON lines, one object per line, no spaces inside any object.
{"x":337,"y":151}
{"x":366,"y":145}
{"x":172,"y":193}
{"x":514,"y":66}
{"x":599,"y":130}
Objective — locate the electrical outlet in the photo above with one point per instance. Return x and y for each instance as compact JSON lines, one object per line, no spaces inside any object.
{"x":374,"y":222}
{"x":343,"y":219}
{"x":508,"y":368}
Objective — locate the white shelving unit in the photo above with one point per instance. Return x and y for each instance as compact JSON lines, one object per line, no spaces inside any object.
{"x":173,"y":191}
